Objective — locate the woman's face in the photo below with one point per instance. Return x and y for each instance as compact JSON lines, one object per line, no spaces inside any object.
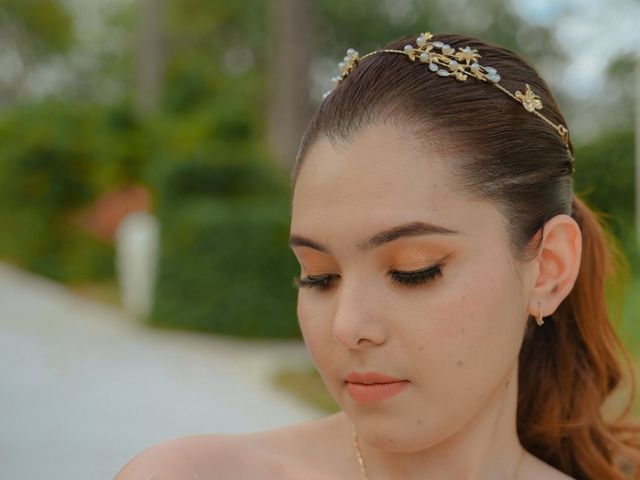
{"x":453,"y":335}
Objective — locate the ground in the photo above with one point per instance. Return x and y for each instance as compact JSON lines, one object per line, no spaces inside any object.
{"x":85,"y":387}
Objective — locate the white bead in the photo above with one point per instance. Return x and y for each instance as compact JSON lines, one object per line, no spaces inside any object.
{"x":443,"y":73}
{"x":433,"y":67}
{"x":490,"y":70}
{"x":424,"y":57}
{"x":341,"y":65}
{"x":494,"y":77}
{"x":421,"y":41}
{"x":351,"y":51}
{"x":408,"y":49}
{"x":438,"y":44}
{"x":475,"y":67}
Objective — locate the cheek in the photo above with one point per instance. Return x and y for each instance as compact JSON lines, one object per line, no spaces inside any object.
{"x":314,"y":316}
{"x":315,"y":328}
{"x":469,"y":339}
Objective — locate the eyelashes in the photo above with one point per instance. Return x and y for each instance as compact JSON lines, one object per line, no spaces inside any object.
{"x":416,"y":277}
{"x":322,"y":282}
{"x":410,"y":279}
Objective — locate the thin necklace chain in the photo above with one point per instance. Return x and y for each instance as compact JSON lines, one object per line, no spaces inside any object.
{"x":364,"y":470}
{"x":358,"y":454}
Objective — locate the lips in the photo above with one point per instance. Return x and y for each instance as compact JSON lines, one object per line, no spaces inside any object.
{"x":371,"y":386}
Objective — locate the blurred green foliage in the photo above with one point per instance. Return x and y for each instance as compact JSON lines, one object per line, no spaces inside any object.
{"x":225,"y":265}
{"x":55,"y":161}
{"x":44,"y":25}
{"x":368,"y":24}
{"x":604,"y":176}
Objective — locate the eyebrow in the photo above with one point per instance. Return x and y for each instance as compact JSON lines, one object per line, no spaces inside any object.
{"x":410,"y":229}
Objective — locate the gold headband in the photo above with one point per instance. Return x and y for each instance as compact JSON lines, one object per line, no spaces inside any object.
{"x":460,"y":65}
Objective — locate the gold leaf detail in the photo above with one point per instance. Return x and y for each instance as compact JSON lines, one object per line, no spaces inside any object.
{"x":467,"y":55}
{"x":529,"y":100}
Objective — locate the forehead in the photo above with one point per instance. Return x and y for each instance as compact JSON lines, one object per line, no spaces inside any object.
{"x":381,"y":178}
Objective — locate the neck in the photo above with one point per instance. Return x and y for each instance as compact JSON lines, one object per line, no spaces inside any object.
{"x":486,"y":447}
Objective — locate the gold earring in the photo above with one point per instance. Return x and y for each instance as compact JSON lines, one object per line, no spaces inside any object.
{"x":539,"y":319}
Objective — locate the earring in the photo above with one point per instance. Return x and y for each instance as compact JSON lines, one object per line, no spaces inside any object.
{"x":539,"y":319}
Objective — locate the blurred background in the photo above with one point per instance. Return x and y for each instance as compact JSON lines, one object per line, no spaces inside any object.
{"x":145,"y":281}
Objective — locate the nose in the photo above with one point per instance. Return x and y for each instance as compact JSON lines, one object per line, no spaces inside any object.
{"x":356,"y":323}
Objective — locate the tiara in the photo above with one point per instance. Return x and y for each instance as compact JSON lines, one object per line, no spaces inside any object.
{"x":445,"y":61}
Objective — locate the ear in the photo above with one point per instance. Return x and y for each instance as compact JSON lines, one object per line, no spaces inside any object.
{"x":558,"y":263}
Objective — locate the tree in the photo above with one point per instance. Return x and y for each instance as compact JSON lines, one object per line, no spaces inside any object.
{"x":151,"y":55}
{"x":289,"y":101}
{"x":31,"y":32}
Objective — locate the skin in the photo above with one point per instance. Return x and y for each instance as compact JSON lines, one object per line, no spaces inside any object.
{"x":455,"y":338}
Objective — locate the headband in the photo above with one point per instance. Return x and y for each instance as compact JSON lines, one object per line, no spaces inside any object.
{"x":443,"y":60}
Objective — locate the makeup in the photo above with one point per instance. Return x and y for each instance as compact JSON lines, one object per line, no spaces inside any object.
{"x":373,"y":386}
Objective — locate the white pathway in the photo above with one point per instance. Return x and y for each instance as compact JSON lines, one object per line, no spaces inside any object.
{"x":83,"y":388}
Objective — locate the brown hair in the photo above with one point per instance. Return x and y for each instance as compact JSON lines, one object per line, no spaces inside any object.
{"x":570,"y":366}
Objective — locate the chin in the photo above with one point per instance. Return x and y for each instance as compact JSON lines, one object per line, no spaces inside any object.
{"x":403,"y":431}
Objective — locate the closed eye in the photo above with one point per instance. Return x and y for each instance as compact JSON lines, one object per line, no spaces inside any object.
{"x":321,"y":282}
{"x":416,"y":277}
{"x":410,"y":278}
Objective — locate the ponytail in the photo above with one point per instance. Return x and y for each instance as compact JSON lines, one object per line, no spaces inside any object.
{"x":571,"y":365}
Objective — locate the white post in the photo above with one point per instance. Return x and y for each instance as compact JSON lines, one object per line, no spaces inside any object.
{"x":137,"y":238}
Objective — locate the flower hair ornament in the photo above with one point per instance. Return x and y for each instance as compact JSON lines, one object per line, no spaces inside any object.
{"x":445,"y":61}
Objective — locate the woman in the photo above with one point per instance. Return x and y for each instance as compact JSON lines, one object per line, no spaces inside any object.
{"x":451,"y":289}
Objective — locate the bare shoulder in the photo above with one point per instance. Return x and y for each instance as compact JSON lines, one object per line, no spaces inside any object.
{"x":183,"y":458}
{"x":274,"y":454}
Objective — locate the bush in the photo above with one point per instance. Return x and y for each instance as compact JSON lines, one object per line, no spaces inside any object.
{"x":605,"y":177}
{"x":225,"y":267}
{"x":54,"y":161}
{"x":224,"y":262}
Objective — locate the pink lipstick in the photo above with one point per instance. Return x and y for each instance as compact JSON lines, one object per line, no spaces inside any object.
{"x":370,"y":386}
